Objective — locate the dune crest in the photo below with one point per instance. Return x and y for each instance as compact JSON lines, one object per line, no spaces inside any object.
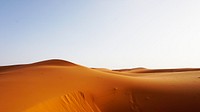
{"x":52,"y":62}
{"x":55,"y":62}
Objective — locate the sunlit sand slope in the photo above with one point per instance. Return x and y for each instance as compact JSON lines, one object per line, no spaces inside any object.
{"x":71,"y":102}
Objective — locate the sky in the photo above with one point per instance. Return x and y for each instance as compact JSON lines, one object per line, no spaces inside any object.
{"x":101,"y":33}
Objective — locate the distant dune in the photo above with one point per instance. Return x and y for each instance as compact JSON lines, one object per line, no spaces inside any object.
{"x":144,"y":70}
{"x":133,"y":70}
{"x":62,"y":86}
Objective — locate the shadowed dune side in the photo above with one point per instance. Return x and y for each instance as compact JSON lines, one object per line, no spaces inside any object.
{"x":72,"y":102}
{"x":11,"y":67}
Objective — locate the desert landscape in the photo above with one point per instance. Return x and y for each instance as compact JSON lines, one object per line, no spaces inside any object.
{"x":62,"y":86}
{"x":99,"y":56}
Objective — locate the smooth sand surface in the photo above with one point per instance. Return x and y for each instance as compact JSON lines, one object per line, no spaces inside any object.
{"x":61,"y":86}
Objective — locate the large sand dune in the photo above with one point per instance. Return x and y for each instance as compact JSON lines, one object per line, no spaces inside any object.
{"x":62,"y":86}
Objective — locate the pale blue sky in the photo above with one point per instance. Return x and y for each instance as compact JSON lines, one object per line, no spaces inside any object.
{"x":101,"y":33}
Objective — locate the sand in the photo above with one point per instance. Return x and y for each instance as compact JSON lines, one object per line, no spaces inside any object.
{"x":62,"y":86}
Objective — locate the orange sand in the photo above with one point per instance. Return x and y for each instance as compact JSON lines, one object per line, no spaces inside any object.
{"x":61,"y":86}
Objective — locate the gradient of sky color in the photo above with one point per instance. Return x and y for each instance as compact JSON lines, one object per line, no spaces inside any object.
{"x":101,"y":33}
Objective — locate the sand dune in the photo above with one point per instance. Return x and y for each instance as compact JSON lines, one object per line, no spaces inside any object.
{"x":62,"y":86}
{"x":144,"y":70}
{"x":55,"y":62}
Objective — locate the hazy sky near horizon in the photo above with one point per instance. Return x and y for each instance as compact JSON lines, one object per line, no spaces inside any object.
{"x":101,"y":33}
